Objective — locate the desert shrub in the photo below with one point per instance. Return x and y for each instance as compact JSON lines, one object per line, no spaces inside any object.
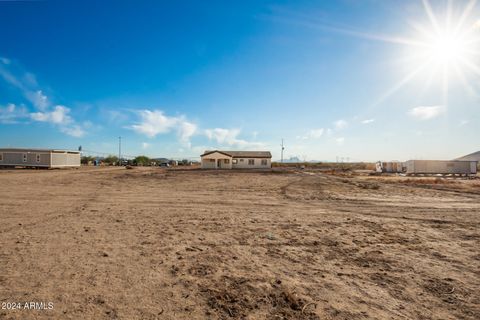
{"x":142,"y":161}
{"x":111,"y":160}
{"x":86,"y":159}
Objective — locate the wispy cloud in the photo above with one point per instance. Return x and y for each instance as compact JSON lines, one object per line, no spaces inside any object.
{"x":186,"y":130}
{"x":11,"y":79}
{"x":340,"y":124}
{"x":11,"y":114}
{"x":38,"y":99}
{"x":4,"y":60}
{"x":368,"y":121}
{"x":74,"y":131}
{"x":155,"y":122}
{"x":426,"y":112}
{"x":229,"y":137}
{"x":340,"y":141}
{"x":59,"y":115}
{"x":114,"y":116}
{"x":316,"y":133}
{"x":145,"y":145}
{"x":26,"y":84}
{"x":313,"y":134}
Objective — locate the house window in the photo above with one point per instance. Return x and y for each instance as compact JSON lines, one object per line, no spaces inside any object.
{"x":227,"y":161}
{"x":1,"y":156}
{"x":241,"y":160}
{"x":38,"y":157}
{"x":264,"y":162}
{"x":234,"y":161}
{"x":251,"y":162}
{"x":24,"y":157}
{"x":211,"y":160}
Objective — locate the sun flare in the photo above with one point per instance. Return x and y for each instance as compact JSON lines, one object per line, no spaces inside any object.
{"x":444,"y":47}
{"x":447,"y":48}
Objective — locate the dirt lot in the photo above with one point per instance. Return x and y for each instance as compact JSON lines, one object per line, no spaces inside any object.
{"x":152,"y":243}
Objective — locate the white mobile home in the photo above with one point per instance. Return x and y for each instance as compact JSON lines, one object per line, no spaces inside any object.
{"x":446,"y":167}
{"x":42,"y":158}
{"x":217,"y":159}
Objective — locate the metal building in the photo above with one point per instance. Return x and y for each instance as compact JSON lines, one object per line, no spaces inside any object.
{"x":445,"y":167}
{"x":471,"y":157}
{"x":42,"y":158}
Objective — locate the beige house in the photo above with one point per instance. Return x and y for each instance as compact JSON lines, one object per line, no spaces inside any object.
{"x":217,"y":159}
{"x":44,"y":158}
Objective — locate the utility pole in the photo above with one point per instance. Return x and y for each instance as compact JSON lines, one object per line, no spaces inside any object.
{"x":119,"y":151}
{"x":283,"y":148}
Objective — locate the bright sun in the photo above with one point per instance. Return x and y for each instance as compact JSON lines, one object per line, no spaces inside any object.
{"x":447,"y":48}
{"x":444,"y":48}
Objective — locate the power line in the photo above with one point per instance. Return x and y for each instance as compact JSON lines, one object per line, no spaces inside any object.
{"x":119,"y":150}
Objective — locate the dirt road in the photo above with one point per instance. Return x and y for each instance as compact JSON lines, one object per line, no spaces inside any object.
{"x":161,"y":244}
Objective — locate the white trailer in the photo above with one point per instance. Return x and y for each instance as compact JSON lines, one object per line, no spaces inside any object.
{"x":39,"y":158}
{"x":389,"y":166}
{"x":443,"y":167}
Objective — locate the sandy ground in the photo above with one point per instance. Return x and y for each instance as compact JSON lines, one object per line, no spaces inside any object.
{"x":150,"y":243}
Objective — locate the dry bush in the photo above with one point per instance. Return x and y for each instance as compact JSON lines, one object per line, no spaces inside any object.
{"x":414,"y":181}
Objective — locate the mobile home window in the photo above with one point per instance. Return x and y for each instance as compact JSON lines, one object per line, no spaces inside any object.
{"x":234,"y":161}
{"x":211,"y":160}
{"x":264,"y":162}
{"x":1,"y":156}
{"x":24,"y":157}
{"x":251,"y":162}
{"x":227,"y":161}
{"x":241,"y":160}
{"x":38,"y":158}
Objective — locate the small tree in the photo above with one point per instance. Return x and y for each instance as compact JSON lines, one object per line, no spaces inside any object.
{"x":86,"y":159}
{"x":142,"y":161}
{"x":111,"y":160}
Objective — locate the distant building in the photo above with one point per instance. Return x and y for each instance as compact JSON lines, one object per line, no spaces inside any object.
{"x":218,"y":159}
{"x":471,"y":157}
{"x":389,"y":166}
{"x":44,"y":158}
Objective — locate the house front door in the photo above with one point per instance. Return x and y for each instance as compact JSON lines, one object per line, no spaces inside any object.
{"x":219,"y":163}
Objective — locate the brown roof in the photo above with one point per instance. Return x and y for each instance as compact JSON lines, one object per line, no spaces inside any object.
{"x":241,"y":154}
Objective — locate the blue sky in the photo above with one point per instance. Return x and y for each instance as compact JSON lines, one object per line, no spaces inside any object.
{"x":351,"y":79}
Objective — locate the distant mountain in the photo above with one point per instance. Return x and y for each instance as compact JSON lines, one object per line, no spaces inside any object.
{"x":291,"y":160}
{"x":471,"y":157}
{"x":298,"y":160}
